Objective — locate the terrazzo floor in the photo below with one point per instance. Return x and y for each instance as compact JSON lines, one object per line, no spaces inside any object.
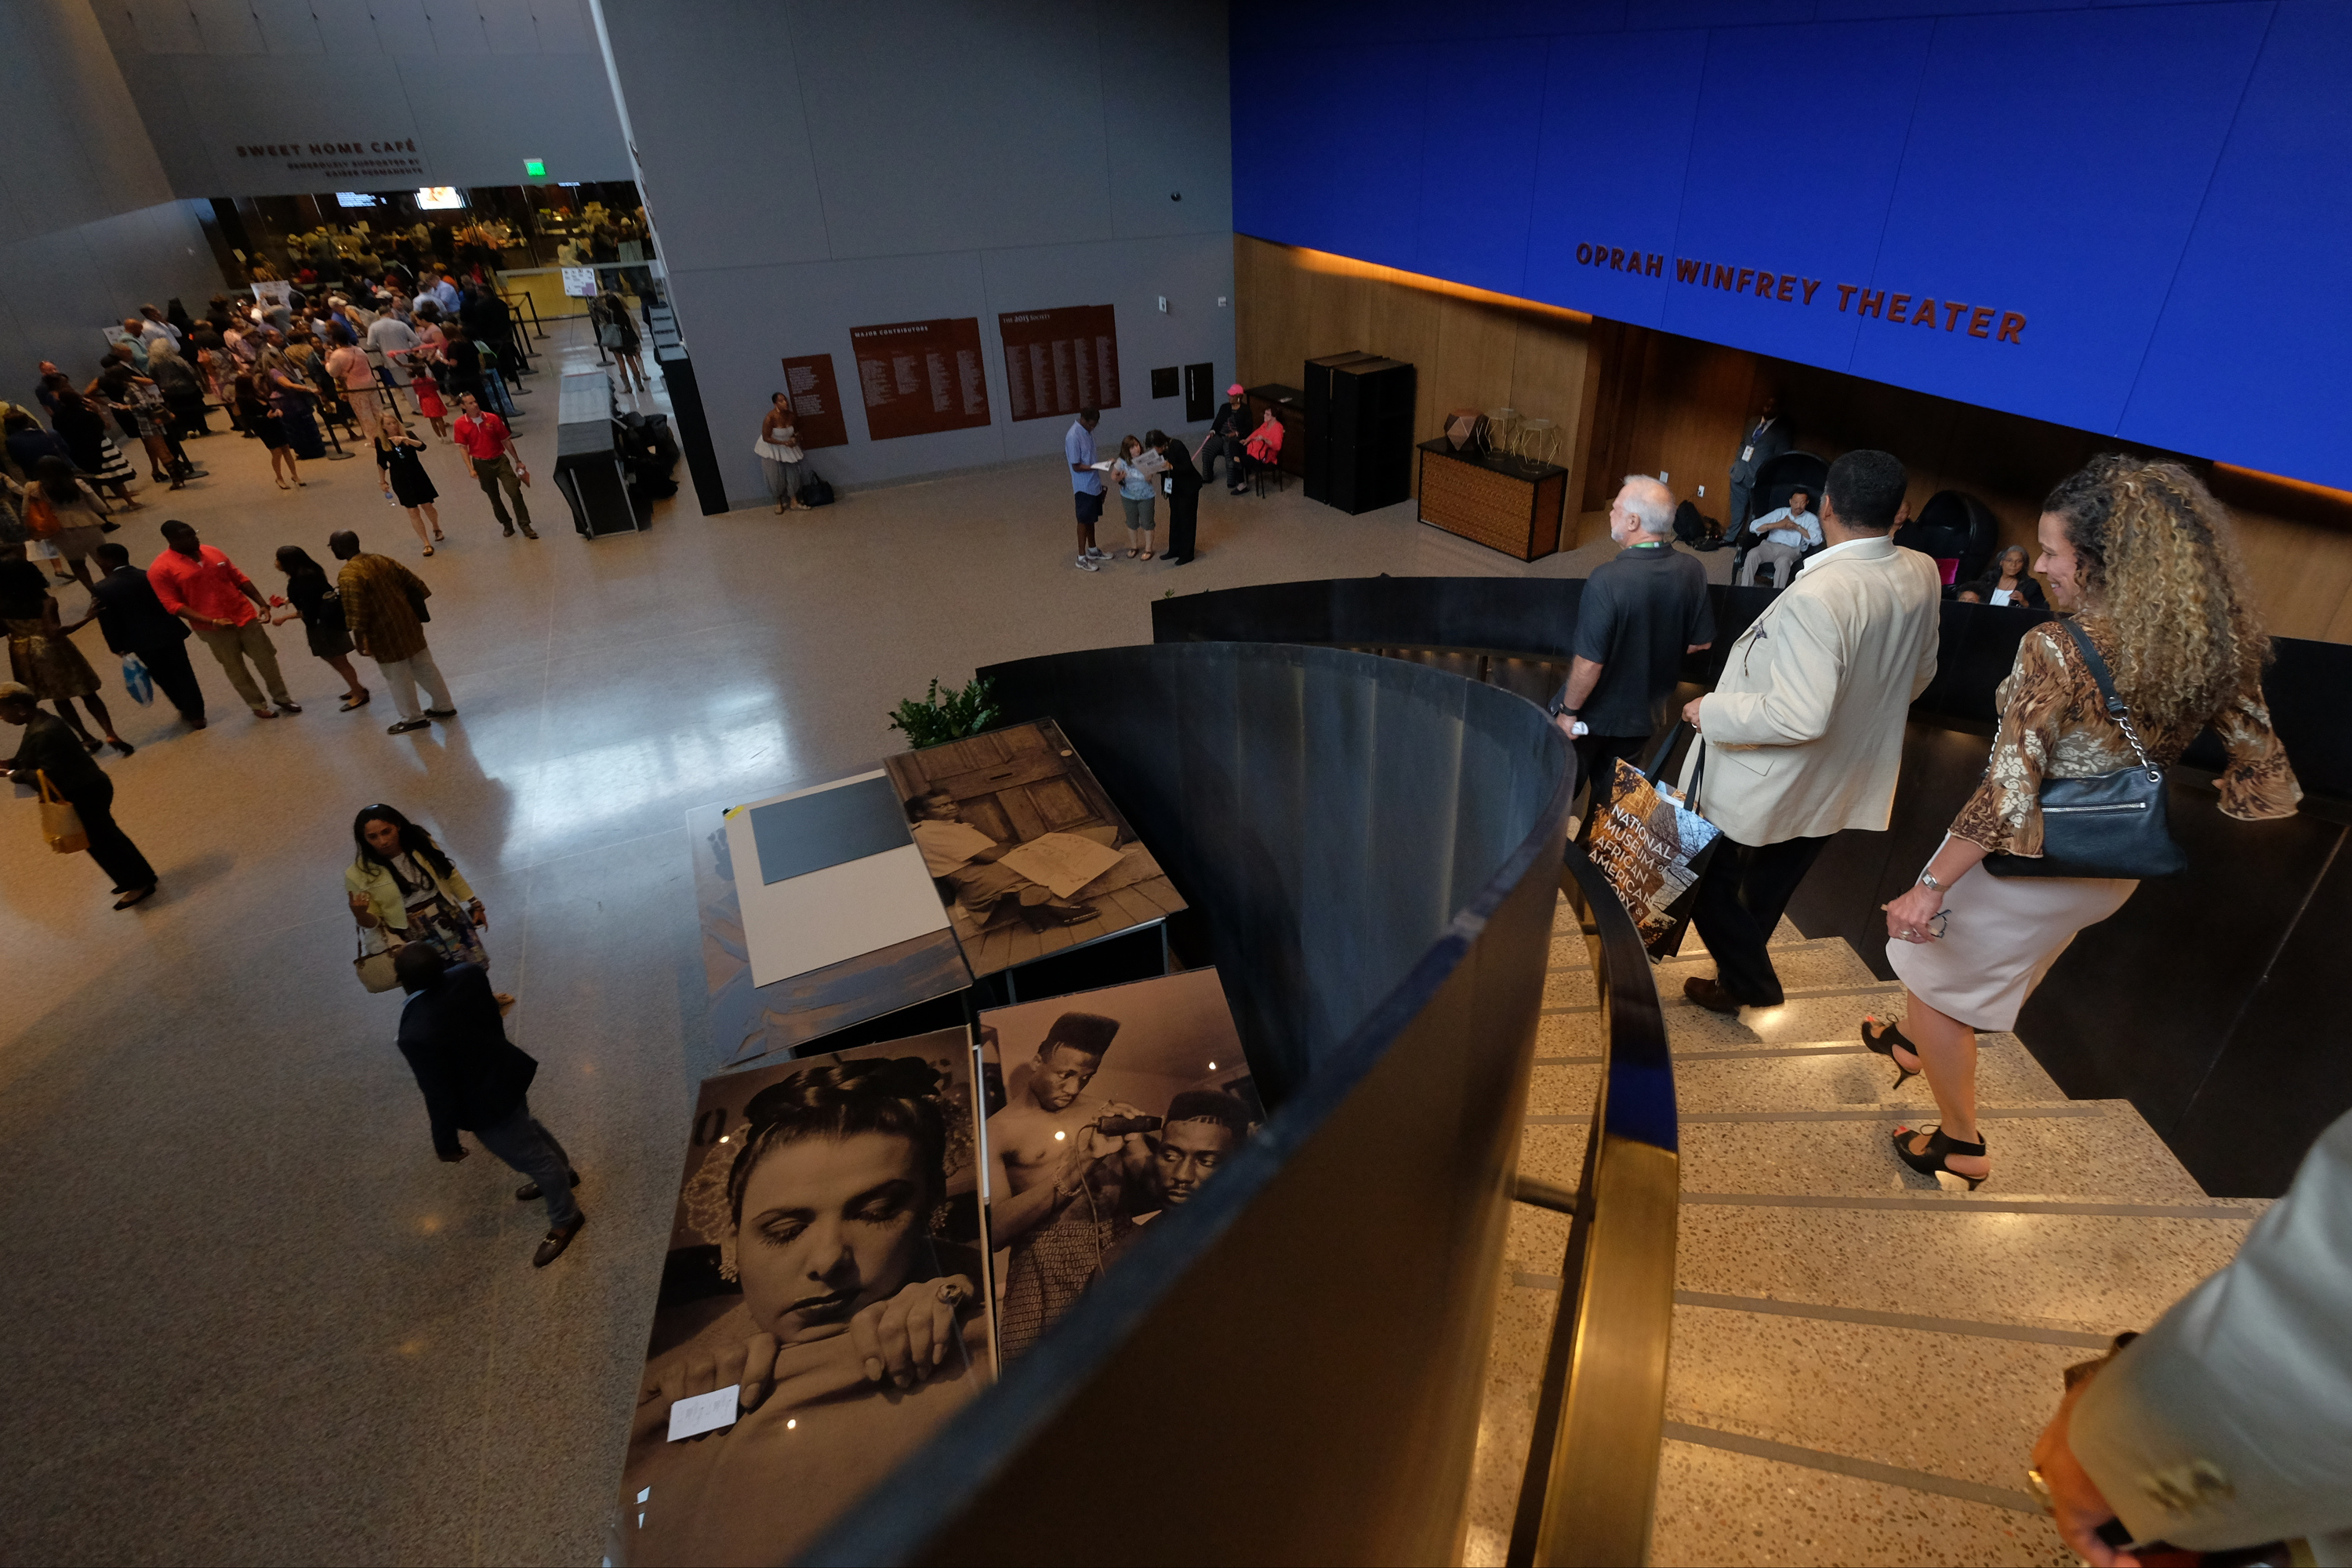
{"x":251,"y":1318}
{"x":1861,"y":1362}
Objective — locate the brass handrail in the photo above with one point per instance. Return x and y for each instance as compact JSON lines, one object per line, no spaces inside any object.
{"x":1592,"y":1469}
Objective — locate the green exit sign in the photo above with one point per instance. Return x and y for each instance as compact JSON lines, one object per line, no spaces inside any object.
{"x":535,"y":167}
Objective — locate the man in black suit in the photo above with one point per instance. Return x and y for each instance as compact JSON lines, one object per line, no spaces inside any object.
{"x":475,"y":1079}
{"x":1766,"y":437}
{"x":133,"y":620}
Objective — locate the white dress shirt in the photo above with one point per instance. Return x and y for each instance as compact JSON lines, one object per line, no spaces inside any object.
{"x":1794,"y":529}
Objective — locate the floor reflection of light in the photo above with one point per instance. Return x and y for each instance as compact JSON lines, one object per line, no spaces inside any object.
{"x":585,"y":788}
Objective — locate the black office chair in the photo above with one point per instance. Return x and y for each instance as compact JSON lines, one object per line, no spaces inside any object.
{"x":1954,"y":526}
{"x":1776,"y":482}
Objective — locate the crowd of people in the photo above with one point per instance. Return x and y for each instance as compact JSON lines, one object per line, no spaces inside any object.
{"x":2221,"y":1428}
{"x":1803,"y":732}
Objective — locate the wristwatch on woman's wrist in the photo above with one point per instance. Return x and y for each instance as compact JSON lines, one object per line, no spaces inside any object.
{"x":1928,"y":880}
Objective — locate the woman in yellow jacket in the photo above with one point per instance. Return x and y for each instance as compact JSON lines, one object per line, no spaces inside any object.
{"x":404,"y":887}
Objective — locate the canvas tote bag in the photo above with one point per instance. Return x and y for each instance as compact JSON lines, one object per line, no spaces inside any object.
{"x":61,"y":823}
{"x":1654,"y":847}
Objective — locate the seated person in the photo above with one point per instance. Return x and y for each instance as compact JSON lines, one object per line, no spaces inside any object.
{"x":2008,"y":583}
{"x":960,"y":855}
{"x":1969,"y":593}
{"x":1786,"y":532}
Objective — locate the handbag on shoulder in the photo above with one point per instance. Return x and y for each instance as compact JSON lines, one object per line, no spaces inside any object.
{"x":2112,"y":824}
{"x":61,"y":823}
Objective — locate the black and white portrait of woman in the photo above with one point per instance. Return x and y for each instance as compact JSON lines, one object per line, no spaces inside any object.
{"x":822,"y":1276}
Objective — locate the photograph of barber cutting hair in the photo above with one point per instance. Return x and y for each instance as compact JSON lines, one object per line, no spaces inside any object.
{"x":1117,"y":1105}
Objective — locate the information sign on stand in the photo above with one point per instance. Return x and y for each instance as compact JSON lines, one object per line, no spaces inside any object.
{"x":816,"y":401}
{"x":919,"y":378}
{"x":1058,"y":362}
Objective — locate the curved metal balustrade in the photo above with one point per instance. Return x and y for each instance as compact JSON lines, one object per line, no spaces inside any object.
{"x":1593,"y":1468}
{"x":1288,"y":1368}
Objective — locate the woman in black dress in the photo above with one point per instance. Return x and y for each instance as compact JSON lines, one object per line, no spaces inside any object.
{"x":314,"y":598}
{"x":82,"y":427}
{"x":400,"y":464}
{"x":255,"y":412}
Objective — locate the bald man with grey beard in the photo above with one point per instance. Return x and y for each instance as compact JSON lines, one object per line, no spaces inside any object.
{"x":1641,"y":614}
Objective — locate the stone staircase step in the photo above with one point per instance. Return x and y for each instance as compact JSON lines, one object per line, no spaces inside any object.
{"x":1554,"y":1151}
{"x":1514,"y":1361}
{"x":1958,"y":1404}
{"x":2086,"y":1148}
{"x":1801,"y":966}
{"x":1719,"y":1505}
{"x":1808,"y":1017}
{"x":1980,"y":1259}
{"x":1829,"y":1074}
{"x":1862,"y":1359}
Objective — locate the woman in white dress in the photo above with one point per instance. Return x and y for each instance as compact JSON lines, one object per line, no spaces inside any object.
{"x":780,"y":456}
{"x":2144,"y":554}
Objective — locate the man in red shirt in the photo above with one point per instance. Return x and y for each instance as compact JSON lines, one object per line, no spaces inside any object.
{"x":203,"y":587}
{"x":496,"y":462}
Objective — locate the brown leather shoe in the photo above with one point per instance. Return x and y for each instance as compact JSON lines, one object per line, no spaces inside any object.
{"x":550,"y":1247}
{"x":1703,"y":990}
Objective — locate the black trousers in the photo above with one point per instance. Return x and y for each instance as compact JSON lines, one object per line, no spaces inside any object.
{"x":1741,"y":897}
{"x":174,"y":677}
{"x":1596,"y":762}
{"x":108,"y":845}
{"x":1226,"y":446}
{"x":1183,"y":520}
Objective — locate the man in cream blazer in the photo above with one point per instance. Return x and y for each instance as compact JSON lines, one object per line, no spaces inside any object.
{"x":1803,"y":734}
{"x":2228,"y":1423}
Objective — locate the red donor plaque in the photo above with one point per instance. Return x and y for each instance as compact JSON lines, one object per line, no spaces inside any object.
{"x":816,"y":401}
{"x":1058,"y":362}
{"x":919,"y":377}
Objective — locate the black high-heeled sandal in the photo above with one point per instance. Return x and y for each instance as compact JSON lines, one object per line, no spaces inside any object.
{"x":1930,"y":1161}
{"x":1883,"y":1042}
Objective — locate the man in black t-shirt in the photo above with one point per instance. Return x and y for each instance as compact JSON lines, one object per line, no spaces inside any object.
{"x":1640,"y":614}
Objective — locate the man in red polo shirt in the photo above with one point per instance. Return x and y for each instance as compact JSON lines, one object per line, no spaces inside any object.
{"x":203,"y":587}
{"x":496,"y":462}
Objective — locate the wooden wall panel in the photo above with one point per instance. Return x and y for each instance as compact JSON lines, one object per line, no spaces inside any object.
{"x":1469,"y":349}
{"x":1636,"y":401}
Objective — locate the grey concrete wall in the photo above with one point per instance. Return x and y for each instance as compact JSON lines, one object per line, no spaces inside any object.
{"x":398,"y":93}
{"x":812,"y":167}
{"x":89,"y":228}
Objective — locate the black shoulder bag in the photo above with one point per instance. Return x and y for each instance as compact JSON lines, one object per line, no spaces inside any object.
{"x":2109,"y":825}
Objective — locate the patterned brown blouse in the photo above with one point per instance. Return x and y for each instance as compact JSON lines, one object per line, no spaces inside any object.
{"x":2054,"y":725}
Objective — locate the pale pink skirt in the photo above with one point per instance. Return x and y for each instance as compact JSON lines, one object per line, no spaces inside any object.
{"x":2004,"y":935}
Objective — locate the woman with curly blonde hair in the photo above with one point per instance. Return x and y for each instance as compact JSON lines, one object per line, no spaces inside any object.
{"x":2142,"y":553}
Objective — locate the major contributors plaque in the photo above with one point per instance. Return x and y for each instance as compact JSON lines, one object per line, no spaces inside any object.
{"x":816,"y":401}
{"x":1058,"y":362}
{"x":920,"y":377}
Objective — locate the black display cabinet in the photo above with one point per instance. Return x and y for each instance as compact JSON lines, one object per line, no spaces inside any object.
{"x":1371,"y":435}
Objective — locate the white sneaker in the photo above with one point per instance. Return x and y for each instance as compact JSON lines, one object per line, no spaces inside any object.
{"x":1095,"y":554}
{"x":1087,"y":565}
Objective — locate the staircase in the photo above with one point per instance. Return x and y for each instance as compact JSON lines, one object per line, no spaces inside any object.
{"x":1861,"y":1361}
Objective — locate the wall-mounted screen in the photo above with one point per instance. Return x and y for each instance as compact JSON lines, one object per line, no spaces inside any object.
{"x":439,"y":198}
{"x":357,"y":199}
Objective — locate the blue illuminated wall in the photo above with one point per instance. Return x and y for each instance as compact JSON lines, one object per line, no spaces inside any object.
{"x":2130,"y":218}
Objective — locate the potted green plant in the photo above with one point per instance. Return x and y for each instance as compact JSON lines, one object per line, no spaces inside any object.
{"x":939,"y":717}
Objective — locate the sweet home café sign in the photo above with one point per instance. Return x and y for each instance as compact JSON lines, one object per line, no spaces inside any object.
{"x":365,"y":160}
{"x":1957,"y":317}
